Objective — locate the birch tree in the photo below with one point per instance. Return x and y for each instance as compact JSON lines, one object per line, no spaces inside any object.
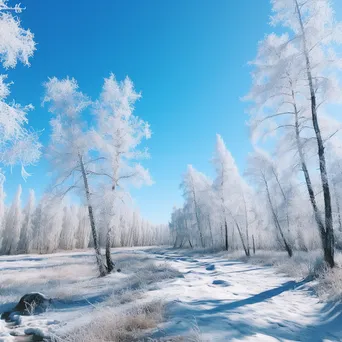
{"x":264,"y":174}
{"x":119,"y":135}
{"x":192,"y":187}
{"x":71,"y":145}
{"x":296,"y":75}
{"x":229,"y":186}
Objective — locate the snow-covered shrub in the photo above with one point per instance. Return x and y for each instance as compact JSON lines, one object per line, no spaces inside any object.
{"x":300,"y":266}
{"x":110,"y":325}
{"x":329,"y":285}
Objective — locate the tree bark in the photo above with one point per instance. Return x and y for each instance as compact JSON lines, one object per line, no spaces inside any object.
{"x":211,"y":232}
{"x":338,"y":208}
{"x":253,"y":244}
{"x":246,"y":223}
{"x":190,"y":243}
{"x":328,"y":240}
{"x":99,"y":261}
{"x":241,"y":237}
{"x":109,"y":261}
{"x":226,"y":234}
{"x":196,"y":213}
{"x":187,"y":232}
{"x":285,"y":200}
{"x":247,"y":252}
{"x":276,"y":221}
{"x":198,"y":221}
{"x":307,"y":177}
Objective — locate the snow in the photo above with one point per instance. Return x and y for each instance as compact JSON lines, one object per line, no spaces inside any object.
{"x":215,"y":299}
{"x":228,"y":300}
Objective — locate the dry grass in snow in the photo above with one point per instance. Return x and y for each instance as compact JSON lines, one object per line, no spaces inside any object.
{"x":117,"y":307}
{"x":109,"y":325}
{"x":326,"y":282}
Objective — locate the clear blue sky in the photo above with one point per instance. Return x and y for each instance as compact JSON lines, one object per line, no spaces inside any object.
{"x":187,"y":57}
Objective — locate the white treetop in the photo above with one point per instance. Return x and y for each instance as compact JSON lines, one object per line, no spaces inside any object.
{"x":18,"y":145}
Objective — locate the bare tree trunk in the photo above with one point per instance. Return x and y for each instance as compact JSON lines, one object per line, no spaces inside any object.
{"x":226,"y":234}
{"x":233,"y":239}
{"x":175,"y":245}
{"x":187,"y":232}
{"x":246,"y":223}
{"x":197,"y":218}
{"x":240,"y":234}
{"x":100,"y":264}
{"x":224,"y":214}
{"x":110,"y":263}
{"x":211,"y":232}
{"x":307,"y":177}
{"x":285,"y":200}
{"x":198,"y":226}
{"x":338,"y":209}
{"x":190,"y":243}
{"x":253,"y":244}
{"x":242,"y":240}
{"x":328,"y":237}
{"x":247,"y":240}
{"x":276,"y":221}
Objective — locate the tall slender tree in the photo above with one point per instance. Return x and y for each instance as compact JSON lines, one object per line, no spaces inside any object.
{"x":119,"y":134}
{"x":230,"y":189}
{"x":71,"y":145}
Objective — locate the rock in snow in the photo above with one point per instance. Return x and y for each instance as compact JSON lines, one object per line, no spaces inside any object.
{"x":29,"y":304}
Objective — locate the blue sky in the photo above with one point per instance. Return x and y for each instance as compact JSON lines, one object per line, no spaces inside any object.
{"x":187,"y":57}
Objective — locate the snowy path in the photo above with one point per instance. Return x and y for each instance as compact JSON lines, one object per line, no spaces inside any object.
{"x":222,"y":300}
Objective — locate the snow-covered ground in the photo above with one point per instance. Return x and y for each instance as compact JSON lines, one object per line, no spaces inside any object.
{"x":212,"y":299}
{"x":224,"y":300}
{"x":81,"y":299}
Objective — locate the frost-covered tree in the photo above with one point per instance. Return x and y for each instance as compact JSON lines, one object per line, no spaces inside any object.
{"x":18,"y":145}
{"x":37,"y":229}
{"x":11,"y":232}
{"x":179,"y":228}
{"x":2,"y":207}
{"x":54,"y":225}
{"x":119,"y":134}
{"x":47,"y":220}
{"x":100,"y":159}
{"x":296,"y":75}
{"x":70,"y":225}
{"x":71,"y":145}
{"x":265,"y":176}
{"x":83,"y":231}
{"x":26,"y":233}
{"x":230,"y":189}
{"x":193,"y":185}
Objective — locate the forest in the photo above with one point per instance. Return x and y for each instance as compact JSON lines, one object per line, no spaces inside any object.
{"x":96,"y":160}
{"x":289,"y":196}
{"x":250,"y":253}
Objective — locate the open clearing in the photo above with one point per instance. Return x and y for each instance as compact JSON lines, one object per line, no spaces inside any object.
{"x":202,"y":298}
